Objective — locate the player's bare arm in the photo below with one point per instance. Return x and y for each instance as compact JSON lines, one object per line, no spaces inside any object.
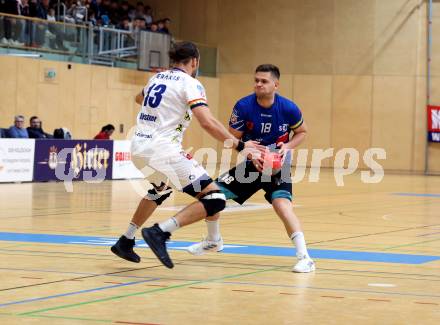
{"x":299,"y":134}
{"x":257,"y":159}
{"x":236,"y":133}
{"x":139,"y":98}
{"x":211,"y":125}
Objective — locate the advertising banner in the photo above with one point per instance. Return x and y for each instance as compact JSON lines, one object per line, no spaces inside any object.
{"x":16,"y":160}
{"x":433,"y":123}
{"x":123,"y":167}
{"x":70,"y":160}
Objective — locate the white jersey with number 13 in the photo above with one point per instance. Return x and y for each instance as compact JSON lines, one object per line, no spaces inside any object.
{"x":169,"y":98}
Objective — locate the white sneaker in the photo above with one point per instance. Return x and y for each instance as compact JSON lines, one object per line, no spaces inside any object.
{"x":4,"y":41}
{"x":205,"y":246}
{"x":304,"y":265}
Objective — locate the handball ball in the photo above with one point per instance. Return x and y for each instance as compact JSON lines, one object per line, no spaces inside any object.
{"x":272,"y":161}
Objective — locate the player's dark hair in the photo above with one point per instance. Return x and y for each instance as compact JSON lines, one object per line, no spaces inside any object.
{"x":32,"y":118}
{"x":107,"y":127}
{"x":183,"y":52}
{"x":273,"y":69}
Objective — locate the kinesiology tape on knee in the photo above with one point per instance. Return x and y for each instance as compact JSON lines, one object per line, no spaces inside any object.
{"x":214,"y":202}
{"x":159,"y":193}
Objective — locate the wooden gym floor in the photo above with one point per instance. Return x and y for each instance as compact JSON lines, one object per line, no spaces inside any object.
{"x":376,"y":246}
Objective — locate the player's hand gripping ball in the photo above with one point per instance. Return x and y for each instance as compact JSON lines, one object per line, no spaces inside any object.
{"x":272,"y":162}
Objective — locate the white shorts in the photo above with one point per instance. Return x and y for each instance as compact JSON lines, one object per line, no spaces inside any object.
{"x":172,"y":166}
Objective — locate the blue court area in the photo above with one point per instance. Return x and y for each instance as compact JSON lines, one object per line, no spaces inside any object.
{"x":418,"y":194}
{"x":229,"y":248}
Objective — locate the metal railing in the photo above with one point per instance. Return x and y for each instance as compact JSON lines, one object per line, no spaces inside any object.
{"x":24,"y":33}
{"x":83,"y":43}
{"x":117,"y":42}
{"x":60,"y":14}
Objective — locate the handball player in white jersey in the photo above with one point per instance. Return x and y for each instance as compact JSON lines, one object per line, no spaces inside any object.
{"x":169,"y":101}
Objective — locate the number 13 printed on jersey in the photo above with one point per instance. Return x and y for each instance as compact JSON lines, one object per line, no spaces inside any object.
{"x":154,"y":95}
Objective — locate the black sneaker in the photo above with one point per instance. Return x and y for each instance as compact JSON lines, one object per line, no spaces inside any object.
{"x":156,"y":240}
{"x":124,"y":249}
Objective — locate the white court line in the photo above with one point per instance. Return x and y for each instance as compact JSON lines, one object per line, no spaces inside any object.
{"x":224,"y":246}
{"x":382,"y":285}
{"x":235,"y":207}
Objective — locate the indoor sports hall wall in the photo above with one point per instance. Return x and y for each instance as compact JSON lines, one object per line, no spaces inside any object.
{"x":82,"y":98}
{"x":356,"y":68}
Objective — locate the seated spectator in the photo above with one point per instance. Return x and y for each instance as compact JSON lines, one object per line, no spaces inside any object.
{"x":11,"y":26}
{"x":62,"y":133}
{"x":104,"y":21}
{"x":35,"y":130}
{"x":105,"y":8}
{"x":160,"y":26}
{"x":3,"y":133}
{"x":25,"y":31}
{"x":148,"y":15}
{"x":41,"y":11}
{"x":132,"y":13}
{"x":139,"y":24}
{"x":113,"y":12}
{"x":124,"y":9}
{"x":154,"y":27}
{"x":51,"y":15}
{"x":76,"y":14}
{"x":166,"y":22}
{"x":125,"y":24}
{"x":92,"y":18}
{"x":105,"y":133}
{"x":18,"y":130}
{"x":140,"y":9}
{"x":55,"y":33}
{"x":97,"y":7}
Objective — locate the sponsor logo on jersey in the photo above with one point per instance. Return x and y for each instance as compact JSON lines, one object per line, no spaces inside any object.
{"x":143,"y":135}
{"x":175,"y":139}
{"x":202,"y":91}
{"x":283,"y":127}
{"x":234,"y":117}
{"x":266,"y":115}
{"x":179,"y":128}
{"x":147,"y":117}
{"x":284,"y":138}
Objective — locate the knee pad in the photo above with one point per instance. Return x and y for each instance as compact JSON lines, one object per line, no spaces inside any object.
{"x":214,"y":202}
{"x":159,"y":193}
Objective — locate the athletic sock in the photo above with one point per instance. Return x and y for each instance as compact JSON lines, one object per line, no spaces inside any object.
{"x":213,"y":230}
{"x":131,"y":231}
{"x":169,"y":225}
{"x":300,"y":244}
